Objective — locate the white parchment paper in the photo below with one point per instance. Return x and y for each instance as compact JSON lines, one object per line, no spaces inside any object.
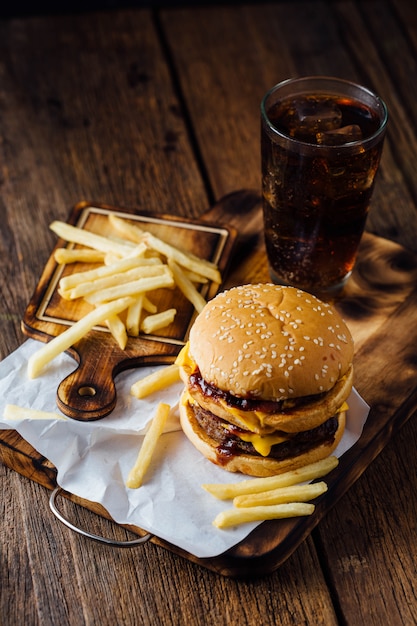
{"x":93,"y":459}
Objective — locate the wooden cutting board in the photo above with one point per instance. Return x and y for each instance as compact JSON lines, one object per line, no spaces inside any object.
{"x":380,"y":307}
{"x":89,"y":392}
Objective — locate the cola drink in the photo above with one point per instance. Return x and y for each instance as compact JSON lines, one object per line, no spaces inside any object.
{"x":321,"y":144}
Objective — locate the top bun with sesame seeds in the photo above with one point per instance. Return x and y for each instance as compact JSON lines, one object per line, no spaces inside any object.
{"x":270,"y":342}
{"x":266,"y":363}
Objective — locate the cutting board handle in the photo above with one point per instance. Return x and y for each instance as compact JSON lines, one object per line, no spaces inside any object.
{"x":89,"y":392}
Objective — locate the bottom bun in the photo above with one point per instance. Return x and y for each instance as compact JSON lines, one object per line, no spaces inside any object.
{"x":248,"y":464}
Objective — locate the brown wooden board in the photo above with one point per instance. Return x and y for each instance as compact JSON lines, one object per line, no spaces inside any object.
{"x":89,"y":392}
{"x":379,"y":305}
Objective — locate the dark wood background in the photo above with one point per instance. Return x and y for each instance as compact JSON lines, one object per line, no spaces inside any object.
{"x":157,"y":108}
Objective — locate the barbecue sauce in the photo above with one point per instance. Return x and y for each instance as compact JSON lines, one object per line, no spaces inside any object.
{"x":246,"y":403}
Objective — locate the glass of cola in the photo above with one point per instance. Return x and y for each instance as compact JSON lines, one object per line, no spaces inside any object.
{"x":321,"y":145}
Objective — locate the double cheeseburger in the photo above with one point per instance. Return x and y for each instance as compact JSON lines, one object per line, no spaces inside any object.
{"x":267,"y":371}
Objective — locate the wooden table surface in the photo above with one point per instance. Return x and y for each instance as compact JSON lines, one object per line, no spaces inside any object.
{"x":157,"y":109}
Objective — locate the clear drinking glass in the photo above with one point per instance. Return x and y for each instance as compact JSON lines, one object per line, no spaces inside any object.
{"x":321,"y":144}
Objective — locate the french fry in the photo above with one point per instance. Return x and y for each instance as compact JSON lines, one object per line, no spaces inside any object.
{"x":149,"y":306}
{"x":133,"y":288}
{"x":126,"y":229}
{"x":118,"y":330}
{"x":201,"y":267}
{"x":72,"y":334}
{"x":185,"y":259}
{"x":157,"y":321}
{"x":134,"y":233}
{"x":195,"y":278}
{"x":186,"y":286}
{"x":78,"y":255}
{"x":156,"y":381}
{"x":111,"y":257}
{"x":89,"y":239}
{"x":234,"y":517}
{"x":107,"y":282}
{"x":138,"y":251}
{"x":293,"y":493}
{"x":257,"y":485}
{"x":133,"y":316}
{"x":15,"y":412}
{"x":122,"y":265}
{"x":141,"y":466}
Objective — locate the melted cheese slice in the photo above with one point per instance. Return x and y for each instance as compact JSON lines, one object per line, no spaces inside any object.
{"x":184,"y":359}
{"x":240,"y":414}
{"x":262,"y":443}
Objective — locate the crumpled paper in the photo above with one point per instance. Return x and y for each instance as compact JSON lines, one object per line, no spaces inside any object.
{"x":93,"y":459}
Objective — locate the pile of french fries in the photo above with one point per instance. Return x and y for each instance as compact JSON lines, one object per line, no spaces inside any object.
{"x":131,"y":265}
{"x":274,"y":497}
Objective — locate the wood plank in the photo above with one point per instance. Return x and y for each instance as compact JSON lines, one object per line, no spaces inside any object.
{"x":375,"y":34}
{"x":128,"y":584}
{"x":107,"y":128}
{"x":381,"y":515}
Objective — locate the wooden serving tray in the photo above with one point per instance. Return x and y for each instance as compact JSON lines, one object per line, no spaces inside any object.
{"x":89,"y":392}
{"x":380,"y":306}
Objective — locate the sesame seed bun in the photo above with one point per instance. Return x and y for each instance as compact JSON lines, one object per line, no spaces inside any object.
{"x":271,"y":342}
{"x":267,"y":371}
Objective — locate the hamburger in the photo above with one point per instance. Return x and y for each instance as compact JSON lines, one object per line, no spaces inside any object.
{"x":267,"y":371}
